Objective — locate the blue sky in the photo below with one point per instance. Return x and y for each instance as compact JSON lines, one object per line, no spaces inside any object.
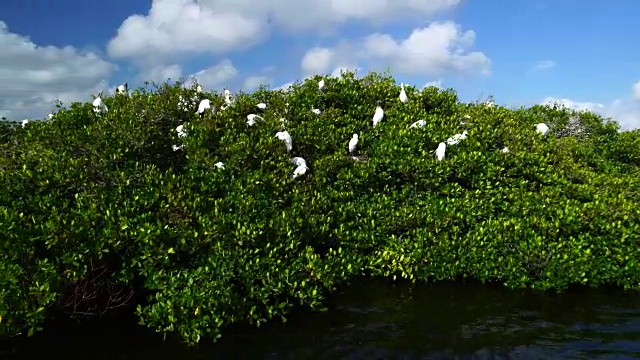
{"x":521,"y":52}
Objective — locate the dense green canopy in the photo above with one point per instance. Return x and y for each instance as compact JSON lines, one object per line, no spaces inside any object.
{"x":97,"y":205}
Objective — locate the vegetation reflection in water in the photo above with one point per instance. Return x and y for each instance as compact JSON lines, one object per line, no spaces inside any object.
{"x":376,"y":319}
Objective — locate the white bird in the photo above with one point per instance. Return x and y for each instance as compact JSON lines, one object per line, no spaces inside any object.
{"x":489,"y":103}
{"x":440,"y":151}
{"x":505,"y":149}
{"x":180,"y":130}
{"x":227,"y":97}
{"x":50,"y":116}
{"x":176,"y":148}
{"x":286,"y":137}
{"x":403,"y":94}
{"x":378,"y":115}
{"x":542,"y":128}
{"x":25,"y":122}
{"x":251,"y":119}
{"x":455,"y":139}
{"x":98,"y":106}
{"x":353,"y":143}
{"x":321,"y":84}
{"x":261,"y":106}
{"x":298,"y":161}
{"x":219,"y":165}
{"x":300,"y":170}
{"x":204,"y":106}
{"x":122,"y":89}
{"x":418,"y":124}
{"x":316,"y":111}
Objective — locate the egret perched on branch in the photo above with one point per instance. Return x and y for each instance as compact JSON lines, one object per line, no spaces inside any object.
{"x":50,"y":116}
{"x":25,"y":122}
{"x":98,"y":106}
{"x":440,"y":151}
{"x":180,"y":130}
{"x":227,"y":99}
{"x":316,"y":111}
{"x":418,"y":124}
{"x":176,"y":148}
{"x":321,"y":84}
{"x":542,"y":128}
{"x":403,"y":94}
{"x":377,"y":116}
{"x":251,"y":119}
{"x":204,"y":106}
{"x":122,"y":89}
{"x":455,"y":139}
{"x":286,"y":137}
{"x":300,"y":170}
{"x":353,"y":143}
{"x":298,"y":161}
{"x":219,"y":165}
{"x":261,"y":106}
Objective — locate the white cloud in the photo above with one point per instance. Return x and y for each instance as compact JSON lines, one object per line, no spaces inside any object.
{"x":625,"y":111}
{"x":177,"y":28}
{"x":161,"y":73}
{"x":34,"y":77}
{"x":437,"y":83}
{"x":580,"y":106}
{"x":636,"y":91}
{"x":544,"y":65}
{"x":217,"y":75}
{"x":442,"y":48}
{"x":253,"y":82}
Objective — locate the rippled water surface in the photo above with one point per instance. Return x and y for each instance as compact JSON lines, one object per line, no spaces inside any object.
{"x":379,"y":320}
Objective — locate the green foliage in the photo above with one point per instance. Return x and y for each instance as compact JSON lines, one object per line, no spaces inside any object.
{"x":88,"y":197}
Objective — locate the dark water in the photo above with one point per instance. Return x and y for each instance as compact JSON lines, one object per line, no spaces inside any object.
{"x":379,"y":320}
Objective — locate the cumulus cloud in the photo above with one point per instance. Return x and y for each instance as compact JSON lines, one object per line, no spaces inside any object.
{"x":178,"y":28}
{"x":160,"y":73}
{"x":217,"y":75}
{"x":636,"y":91}
{"x":544,"y":65}
{"x":33,"y":77}
{"x":442,"y":48}
{"x":625,"y":111}
{"x":253,"y":82}
{"x":436,"y":83}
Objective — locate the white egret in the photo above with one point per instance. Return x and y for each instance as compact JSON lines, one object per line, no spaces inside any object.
{"x":176,"y":148}
{"x":98,"y":106}
{"x":353,"y":143}
{"x":418,"y":124}
{"x":204,"y":106}
{"x":227,"y":97}
{"x":505,"y":149}
{"x":321,"y":84}
{"x":377,"y":117}
{"x":219,"y":165}
{"x":50,"y":116}
{"x":180,"y":130}
{"x":403,"y":94}
{"x":300,"y":170}
{"x":286,"y":137}
{"x":298,"y":161}
{"x":122,"y":89}
{"x":455,"y":139}
{"x":316,"y":111}
{"x":542,"y":128}
{"x":251,"y":119}
{"x":25,"y":122}
{"x":440,"y":151}
{"x":261,"y":106}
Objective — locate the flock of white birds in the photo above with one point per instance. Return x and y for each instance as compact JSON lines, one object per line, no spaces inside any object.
{"x":301,"y":165}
